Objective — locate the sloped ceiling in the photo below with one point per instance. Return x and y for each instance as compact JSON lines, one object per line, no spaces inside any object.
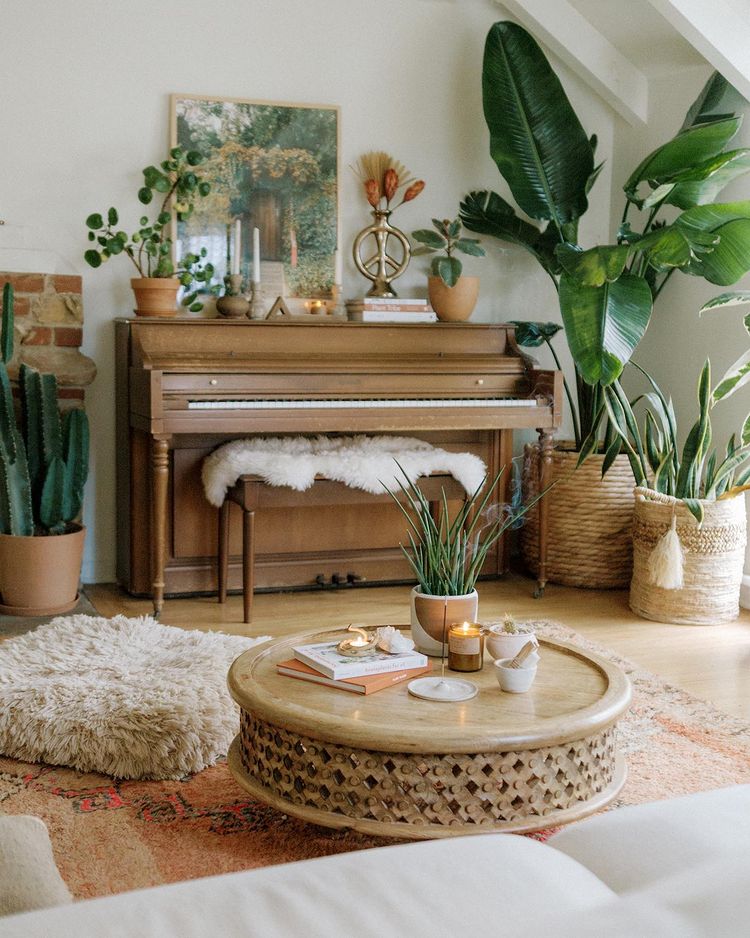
{"x":617,"y":47}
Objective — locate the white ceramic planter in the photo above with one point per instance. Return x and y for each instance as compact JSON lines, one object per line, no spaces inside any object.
{"x":460,"y":609}
{"x":502,"y":644}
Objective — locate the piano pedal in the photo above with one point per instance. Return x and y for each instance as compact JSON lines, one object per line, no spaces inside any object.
{"x":539,"y":592}
{"x":320,"y":581}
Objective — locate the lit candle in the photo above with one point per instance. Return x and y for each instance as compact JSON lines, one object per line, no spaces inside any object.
{"x":256,"y":255}
{"x":338,"y":268}
{"x":229,"y":248}
{"x":237,"y":246}
{"x":465,"y":647}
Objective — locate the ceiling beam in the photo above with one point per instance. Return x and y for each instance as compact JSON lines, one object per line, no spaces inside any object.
{"x":718,"y":30}
{"x":586,"y":52}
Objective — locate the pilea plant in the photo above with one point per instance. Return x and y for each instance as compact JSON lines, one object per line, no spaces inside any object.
{"x":150,"y":246}
{"x":44,"y":462}
{"x":446,"y":237}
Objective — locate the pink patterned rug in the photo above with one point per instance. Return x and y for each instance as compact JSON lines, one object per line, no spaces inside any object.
{"x":111,"y":836}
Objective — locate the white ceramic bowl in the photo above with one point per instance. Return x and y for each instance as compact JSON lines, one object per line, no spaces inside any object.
{"x":514,"y":680}
{"x":501,"y":644}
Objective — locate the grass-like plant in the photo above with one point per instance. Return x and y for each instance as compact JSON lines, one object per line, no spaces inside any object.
{"x":447,"y":556}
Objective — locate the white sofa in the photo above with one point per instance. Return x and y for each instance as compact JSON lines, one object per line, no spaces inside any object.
{"x":673,"y":868}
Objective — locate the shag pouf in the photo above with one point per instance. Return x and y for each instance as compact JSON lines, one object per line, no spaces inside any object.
{"x":127,"y":697}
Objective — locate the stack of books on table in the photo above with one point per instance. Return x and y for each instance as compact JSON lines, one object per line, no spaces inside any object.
{"x":322,"y":664}
{"x":389,"y":309}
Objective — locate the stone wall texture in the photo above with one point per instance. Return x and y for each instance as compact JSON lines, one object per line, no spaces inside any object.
{"x":49,"y":331}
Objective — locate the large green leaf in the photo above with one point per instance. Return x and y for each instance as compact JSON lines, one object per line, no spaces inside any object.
{"x":488,"y":213}
{"x":604,"y":324}
{"x":717,"y":99}
{"x":536,"y":139}
{"x":689,"y":147}
{"x":730,"y":257}
{"x":737,"y":298}
{"x":534,"y":334}
{"x":703,"y":183}
{"x":601,"y":264}
{"x":736,"y":377}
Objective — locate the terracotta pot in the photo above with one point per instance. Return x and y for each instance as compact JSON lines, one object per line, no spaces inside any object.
{"x":453,"y":304}
{"x":155,"y":296}
{"x":39,"y":576}
{"x":427,"y":613}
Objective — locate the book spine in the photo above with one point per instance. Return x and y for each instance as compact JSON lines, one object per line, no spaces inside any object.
{"x":375,"y":301}
{"x":383,"y":316}
{"x":390,"y":680}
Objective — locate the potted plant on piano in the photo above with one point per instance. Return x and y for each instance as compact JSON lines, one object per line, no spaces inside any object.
{"x":447,"y":556}
{"x":452,"y":295}
{"x":149,"y":248}
{"x":43,"y":469}
{"x":606,"y":293}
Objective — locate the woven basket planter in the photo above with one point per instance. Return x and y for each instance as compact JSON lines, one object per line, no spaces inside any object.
{"x":714,"y":556}
{"x":589,"y":520}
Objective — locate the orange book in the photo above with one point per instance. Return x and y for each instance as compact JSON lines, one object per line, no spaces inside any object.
{"x":365,"y":684}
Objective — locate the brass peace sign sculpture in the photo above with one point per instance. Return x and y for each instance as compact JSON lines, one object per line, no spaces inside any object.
{"x":381,"y":267}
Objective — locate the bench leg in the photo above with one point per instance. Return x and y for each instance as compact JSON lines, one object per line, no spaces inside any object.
{"x":248,"y":559}
{"x":223,"y":550}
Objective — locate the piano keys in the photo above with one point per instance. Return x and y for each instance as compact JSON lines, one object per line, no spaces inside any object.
{"x":189,"y":382}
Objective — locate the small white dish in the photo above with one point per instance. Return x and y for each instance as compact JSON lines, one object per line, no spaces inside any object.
{"x":516,"y":680}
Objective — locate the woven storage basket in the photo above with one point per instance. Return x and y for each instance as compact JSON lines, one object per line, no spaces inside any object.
{"x":714,"y":556}
{"x":589,"y":520}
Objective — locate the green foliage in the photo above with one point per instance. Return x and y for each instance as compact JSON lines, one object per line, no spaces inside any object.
{"x":150,"y":246}
{"x":44,"y":464}
{"x":697,"y":471}
{"x":446,"y":237}
{"x":606,"y":292}
{"x":447,"y":556}
{"x":196,"y":275}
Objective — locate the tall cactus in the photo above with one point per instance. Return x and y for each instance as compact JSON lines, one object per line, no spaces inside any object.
{"x":43,"y":471}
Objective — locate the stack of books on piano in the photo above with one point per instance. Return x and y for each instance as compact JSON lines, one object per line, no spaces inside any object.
{"x":321,"y":663}
{"x":389,"y":309}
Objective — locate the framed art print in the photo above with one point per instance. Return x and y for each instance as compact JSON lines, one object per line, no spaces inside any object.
{"x":272,"y":167}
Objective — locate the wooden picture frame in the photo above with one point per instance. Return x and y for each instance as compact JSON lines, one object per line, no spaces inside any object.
{"x":274,"y":166}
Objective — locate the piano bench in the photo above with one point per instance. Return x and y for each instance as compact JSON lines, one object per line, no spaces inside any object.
{"x":251,"y":493}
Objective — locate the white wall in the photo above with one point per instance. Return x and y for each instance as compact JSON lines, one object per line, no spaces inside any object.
{"x":85,"y":107}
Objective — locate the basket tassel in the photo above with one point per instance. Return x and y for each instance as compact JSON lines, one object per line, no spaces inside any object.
{"x":666,"y":560}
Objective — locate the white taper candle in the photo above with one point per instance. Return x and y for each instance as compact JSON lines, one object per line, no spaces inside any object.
{"x":256,"y":255}
{"x":237,"y":246}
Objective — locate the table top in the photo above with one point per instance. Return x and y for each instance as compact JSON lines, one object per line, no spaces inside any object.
{"x":575,"y":694}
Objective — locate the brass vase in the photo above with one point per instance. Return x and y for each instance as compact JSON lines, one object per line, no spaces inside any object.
{"x":374,"y":261}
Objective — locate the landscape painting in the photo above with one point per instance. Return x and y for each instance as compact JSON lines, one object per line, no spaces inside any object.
{"x":273,"y":167}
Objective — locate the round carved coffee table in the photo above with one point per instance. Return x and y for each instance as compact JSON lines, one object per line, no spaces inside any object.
{"x":396,"y":766}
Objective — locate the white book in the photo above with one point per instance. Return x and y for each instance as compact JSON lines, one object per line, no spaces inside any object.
{"x":324,"y":658}
{"x":390,"y":300}
{"x":383,"y":315}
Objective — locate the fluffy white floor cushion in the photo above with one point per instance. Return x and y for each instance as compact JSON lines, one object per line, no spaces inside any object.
{"x":362,"y":462}
{"x":128,"y":697}
{"x":29,"y":878}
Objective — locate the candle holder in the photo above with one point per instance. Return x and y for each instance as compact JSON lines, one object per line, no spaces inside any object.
{"x":233,"y":304}
{"x":357,"y":647}
{"x":337,"y":298}
{"x":465,"y":647}
{"x":257,"y":304}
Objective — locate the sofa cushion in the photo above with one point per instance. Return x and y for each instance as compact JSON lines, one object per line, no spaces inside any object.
{"x":29,"y":878}
{"x":469,"y":885}
{"x":638,"y":845}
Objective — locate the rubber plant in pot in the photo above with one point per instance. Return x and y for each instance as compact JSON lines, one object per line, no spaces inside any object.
{"x":452,"y":295}
{"x":43,"y":469}
{"x":605,"y":293}
{"x":447,"y":556}
{"x":150,"y":246}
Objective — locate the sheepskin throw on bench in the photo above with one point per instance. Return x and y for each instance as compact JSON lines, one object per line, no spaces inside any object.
{"x":370,"y":463}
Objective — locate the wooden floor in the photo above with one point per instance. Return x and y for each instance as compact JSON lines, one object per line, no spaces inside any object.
{"x":712,"y":662}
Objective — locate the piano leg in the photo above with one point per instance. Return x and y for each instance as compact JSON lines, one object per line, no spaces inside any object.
{"x":546,"y":445}
{"x":159,"y":482}
{"x":248,"y":563}
{"x":223,"y":550}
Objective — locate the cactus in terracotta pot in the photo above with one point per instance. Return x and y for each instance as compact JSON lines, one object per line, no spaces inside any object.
{"x":44,"y":461}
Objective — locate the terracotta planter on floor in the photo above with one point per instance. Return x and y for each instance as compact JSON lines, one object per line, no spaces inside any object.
{"x":589,"y":541}
{"x":39,"y":576}
{"x":155,"y":296}
{"x":428,"y":611}
{"x":453,"y":304}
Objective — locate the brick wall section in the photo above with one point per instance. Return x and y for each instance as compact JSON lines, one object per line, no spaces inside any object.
{"x":49,"y":330}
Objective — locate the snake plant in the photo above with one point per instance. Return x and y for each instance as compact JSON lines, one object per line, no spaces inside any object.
{"x":606,"y":292}
{"x":696,"y":472}
{"x":44,"y":463}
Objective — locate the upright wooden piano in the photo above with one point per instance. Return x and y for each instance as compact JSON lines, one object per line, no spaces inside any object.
{"x":185,"y":385}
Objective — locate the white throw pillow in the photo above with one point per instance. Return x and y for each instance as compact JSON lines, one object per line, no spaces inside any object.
{"x":29,"y":878}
